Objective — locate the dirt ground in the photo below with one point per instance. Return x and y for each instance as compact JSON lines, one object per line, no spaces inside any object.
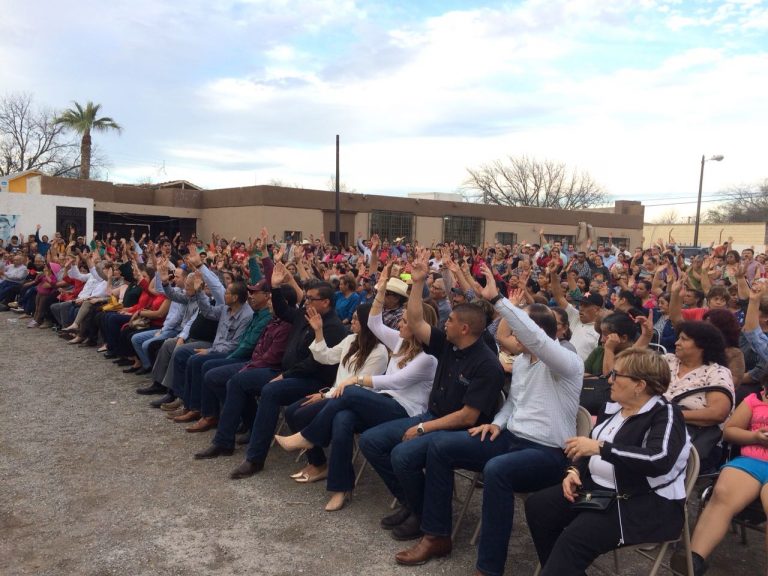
{"x":94,"y":482}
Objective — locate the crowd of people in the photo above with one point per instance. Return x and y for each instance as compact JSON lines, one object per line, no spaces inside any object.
{"x":437,"y":358}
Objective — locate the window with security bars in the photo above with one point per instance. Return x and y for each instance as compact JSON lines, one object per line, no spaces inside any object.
{"x":564,"y":239}
{"x":617,"y":241}
{"x":391,"y":225}
{"x":506,"y":238}
{"x":294,"y":235}
{"x":467,"y":230}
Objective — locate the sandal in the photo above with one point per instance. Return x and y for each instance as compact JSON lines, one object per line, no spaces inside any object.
{"x":102,"y":349}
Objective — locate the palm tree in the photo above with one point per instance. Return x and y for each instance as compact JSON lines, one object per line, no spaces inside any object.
{"x":83,"y":120}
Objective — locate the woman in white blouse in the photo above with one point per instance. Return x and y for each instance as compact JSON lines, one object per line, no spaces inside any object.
{"x":361,"y":401}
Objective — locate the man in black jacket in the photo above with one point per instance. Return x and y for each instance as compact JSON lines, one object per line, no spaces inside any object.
{"x":301,"y":374}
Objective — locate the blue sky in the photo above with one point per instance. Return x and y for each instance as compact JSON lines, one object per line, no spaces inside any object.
{"x":233,"y":93}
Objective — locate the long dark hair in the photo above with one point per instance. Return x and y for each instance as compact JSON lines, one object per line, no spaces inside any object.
{"x":364,"y":344}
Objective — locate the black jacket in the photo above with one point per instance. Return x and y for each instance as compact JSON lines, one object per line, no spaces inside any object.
{"x":297,"y":360}
{"x":648,"y":453}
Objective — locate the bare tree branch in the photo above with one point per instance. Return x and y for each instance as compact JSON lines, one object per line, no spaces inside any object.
{"x":524,"y":181}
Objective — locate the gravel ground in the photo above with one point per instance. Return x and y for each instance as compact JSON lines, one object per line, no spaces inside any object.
{"x":94,"y":482}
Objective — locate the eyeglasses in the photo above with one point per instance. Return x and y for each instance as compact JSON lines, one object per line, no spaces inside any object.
{"x":612,"y":376}
{"x":315,"y":298}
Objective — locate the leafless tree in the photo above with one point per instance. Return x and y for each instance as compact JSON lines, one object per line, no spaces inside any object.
{"x":746,"y":203}
{"x":331,"y":185}
{"x":669,"y":217}
{"x":31,"y":140}
{"x":524,"y":181}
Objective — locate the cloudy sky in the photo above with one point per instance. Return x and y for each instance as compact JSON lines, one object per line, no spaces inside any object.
{"x":233,"y":93}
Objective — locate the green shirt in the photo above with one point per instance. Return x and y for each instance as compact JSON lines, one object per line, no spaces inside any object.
{"x":252,"y":334}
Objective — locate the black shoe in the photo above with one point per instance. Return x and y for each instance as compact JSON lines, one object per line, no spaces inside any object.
{"x":131,"y":370}
{"x":214,"y":451}
{"x":142,"y":371}
{"x":241,"y":439}
{"x":678,"y":563}
{"x":3,"y":307}
{"x":396,"y":518}
{"x":164,"y":400}
{"x":110,"y":356}
{"x":123,"y":362}
{"x":153,"y":388}
{"x":410,"y":529}
{"x":246,"y":469}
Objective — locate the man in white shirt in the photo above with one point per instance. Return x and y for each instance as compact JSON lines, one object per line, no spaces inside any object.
{"x":584,"y":337}
{"x":12,"y":278}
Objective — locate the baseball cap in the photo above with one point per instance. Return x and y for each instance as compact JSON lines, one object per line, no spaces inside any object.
{"x":591,"y":300}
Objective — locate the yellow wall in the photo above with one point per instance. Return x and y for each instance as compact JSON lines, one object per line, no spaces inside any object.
{"x":18,"y":185}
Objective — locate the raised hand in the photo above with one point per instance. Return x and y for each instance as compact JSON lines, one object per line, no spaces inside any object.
{"x":375,"y":242}
{"x":489,"y":291}
{"x":197,"y":282}
{"x":193,"y":258}
{"x":314,"y":319}
{"x":280,"y":274}
{"x":611,"y":342}
{"x":278,"y":253}
{"x":162,"y":269}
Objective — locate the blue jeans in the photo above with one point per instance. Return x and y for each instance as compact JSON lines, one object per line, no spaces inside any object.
{"x":400,"y":464}
{"x":181,"y":356}
{"x":273,"y":396}
{"x":356,"y":410}
{"x":8,"y":290}
{"x":242,"y":388}
{"x":111,"y":325}
{"x":193,"y":377}
{"x":523,"y":467}
{"x":299,"y":417}
{"x":142,"y":340}
{"x":216,"y":373}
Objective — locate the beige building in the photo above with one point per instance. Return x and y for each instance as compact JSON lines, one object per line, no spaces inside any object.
{"x":745,"y":235}
{"x":241,"y":212}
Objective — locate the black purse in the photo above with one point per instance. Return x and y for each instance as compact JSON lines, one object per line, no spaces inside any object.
{"x":598,"y":500}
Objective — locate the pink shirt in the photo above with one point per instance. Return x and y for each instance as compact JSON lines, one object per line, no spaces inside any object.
{"x":759,"y":420}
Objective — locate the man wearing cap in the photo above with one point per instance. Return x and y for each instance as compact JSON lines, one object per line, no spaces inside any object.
{"x":584,"y":337}
{"x":394,"y":302}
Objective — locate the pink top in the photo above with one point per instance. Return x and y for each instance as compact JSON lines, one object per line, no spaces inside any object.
{"x":759,"y":420}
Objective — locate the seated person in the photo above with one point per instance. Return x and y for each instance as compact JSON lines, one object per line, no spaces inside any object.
{"x":741,"y":481}
{"x":639,"y":447}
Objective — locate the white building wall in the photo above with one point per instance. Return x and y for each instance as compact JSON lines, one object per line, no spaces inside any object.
{"x":34,"y":208}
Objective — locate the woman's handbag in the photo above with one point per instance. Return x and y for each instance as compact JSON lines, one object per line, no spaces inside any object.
{"x":113,"y":305}
{"x":597,"y":500}
{"x":138,"y":323}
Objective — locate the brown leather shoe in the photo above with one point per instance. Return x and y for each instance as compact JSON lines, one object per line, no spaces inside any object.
{"x":204,"y":424}
{"x":427,"y":548}
{"x":189,"y":416}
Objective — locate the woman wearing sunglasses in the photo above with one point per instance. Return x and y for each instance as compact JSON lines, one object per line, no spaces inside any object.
{"x":636,"y":455}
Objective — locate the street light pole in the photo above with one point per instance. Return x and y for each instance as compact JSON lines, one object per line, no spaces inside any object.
{"x":716,"y":158}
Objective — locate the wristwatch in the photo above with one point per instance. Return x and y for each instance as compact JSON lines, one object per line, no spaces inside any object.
{"x":495,"y":299}
{"x":420,"y":429}
{"x":360,"y":381}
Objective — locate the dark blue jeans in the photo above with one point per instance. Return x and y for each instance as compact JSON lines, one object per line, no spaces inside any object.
{"x":273,"y":396}
{"x":356,"y":410}
{"x":180,"y":358}
{"x":193,"y":377}
{"x":522,"y":466}
{"x":111,"y":326}
{"x":242,"y":388}
{"x":299,"y":417}
{"x":216,"y":374}
{"x":400,"y":464}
